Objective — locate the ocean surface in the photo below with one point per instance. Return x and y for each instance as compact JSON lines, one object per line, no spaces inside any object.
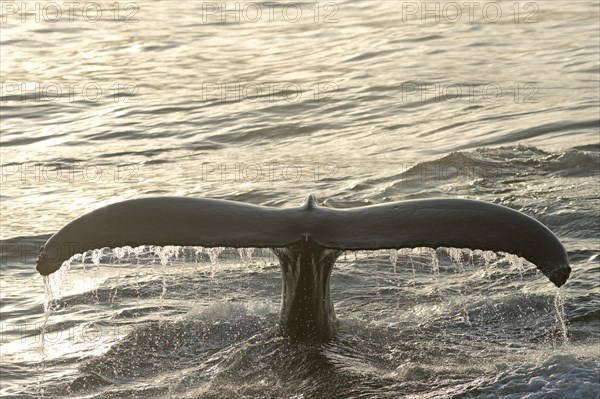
{"x":356,"y":102}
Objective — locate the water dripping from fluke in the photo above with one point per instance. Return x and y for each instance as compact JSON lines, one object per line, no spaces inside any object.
{"x":307,"y":241}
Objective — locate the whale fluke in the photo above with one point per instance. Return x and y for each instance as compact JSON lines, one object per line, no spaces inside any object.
{"x":308,"y":239}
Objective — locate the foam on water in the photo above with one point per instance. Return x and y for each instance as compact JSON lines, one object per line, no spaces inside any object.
{"x":557,"y":376}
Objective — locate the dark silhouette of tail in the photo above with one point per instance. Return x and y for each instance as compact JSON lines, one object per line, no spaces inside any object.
{"x":308,"y":239}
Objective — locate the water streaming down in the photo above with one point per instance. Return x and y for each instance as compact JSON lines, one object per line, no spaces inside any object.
{"x":393,"y":258}
{"x":169,"y":254}
{"x":246,"y":255}
{"x":213,"y":254}
{"x":559,"y":305}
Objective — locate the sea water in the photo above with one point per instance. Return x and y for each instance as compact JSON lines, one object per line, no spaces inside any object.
{"x":360,"y":102}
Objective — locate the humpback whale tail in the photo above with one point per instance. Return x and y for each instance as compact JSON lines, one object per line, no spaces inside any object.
{"x":308,"y":239}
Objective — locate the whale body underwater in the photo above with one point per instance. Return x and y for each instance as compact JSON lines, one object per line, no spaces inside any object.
{"x":308,"y":239}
